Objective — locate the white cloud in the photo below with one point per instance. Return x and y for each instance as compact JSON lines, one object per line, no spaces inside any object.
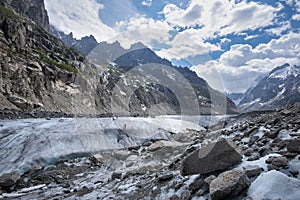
{"x":141,"y":29}
{"x":284,"y":26}
{"x":249,"y":16}
{"x":185,"y":44}
{"x":215,"y":18}
{"x":221,"y":17}
{"x":296,"y":17}
{"x":249,"y":37}
{"x":147,"y":3}
{"x":78,"y":17}
{"x":242,"y":64}
{"x":184,"y":18}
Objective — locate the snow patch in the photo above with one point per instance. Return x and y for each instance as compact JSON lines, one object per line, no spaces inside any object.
{"x":275,"y":185}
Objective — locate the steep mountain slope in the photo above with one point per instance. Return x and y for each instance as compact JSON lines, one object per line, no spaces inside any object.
{"x":33,"y":9}
{"x":38,"y":71}
{"x":85,"y":45}
{"x":279,"y":88}
{"x":235,"y":97}
{"x":139,"y":61}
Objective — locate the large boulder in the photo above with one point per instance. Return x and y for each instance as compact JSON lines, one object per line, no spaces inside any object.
{"x":294,"y":146}
{"x":9,"y":179}
{"x":212,"y":157}
{"x":274,"y":185}
{"x":228,"y":184}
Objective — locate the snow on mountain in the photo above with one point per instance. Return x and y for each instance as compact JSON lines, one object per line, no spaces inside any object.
{"x":284,"y":72}
{"x":279,"y":88}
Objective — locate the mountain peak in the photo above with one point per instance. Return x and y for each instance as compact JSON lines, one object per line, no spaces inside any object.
{"x":282,"y":72}
{"x":279,"y":88}
{"x":138,"y":45}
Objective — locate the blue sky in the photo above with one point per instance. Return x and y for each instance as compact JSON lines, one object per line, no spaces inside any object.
{"x":228,"y":43}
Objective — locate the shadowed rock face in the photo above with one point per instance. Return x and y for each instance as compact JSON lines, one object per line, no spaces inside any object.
{"x":9,"y":179}
{"x":212,"y":157}
{"x":33,"y":9}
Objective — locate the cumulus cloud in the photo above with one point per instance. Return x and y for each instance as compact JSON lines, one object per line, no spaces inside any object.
{"x":214,"y":18}
{"x":142,"y":29}
{"x":249,"y":16}
{"x":184,"y":18}
{"x":242,"y":64}
{"x":221,"y":17}
{"x":187,"y":43}
{"x":284,"y":26}
{"x":78,"y":17}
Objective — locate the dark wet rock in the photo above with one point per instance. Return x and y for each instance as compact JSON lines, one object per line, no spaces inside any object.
{"x":248,"y":152}
{"x":273,"y":134}
{"x":277,"y":162}
{"x":200,"y":192}
{"x":272,"y":167}
{"x":116,"y":175}
{"x":174,"y":197}
{"x":251,"y":131}
{"x":253,"y":157}
{"x":228,"y":184}
{"x":294,"y":172}
{"x":294,"y":146}
{"x":252,"y":170}
{"x":209,"y":179}
{"x":84,"y":190}
{"x":280,"y":162}
{"x":197,"y":184}
{"x":134,"y":148}
{"x":9,"y":179}
{"x":263,"y":151}
{"x":165,"y":177}
{"x":212,"y":157}
{"x":253,"y":139}
{"x":186,"y":195}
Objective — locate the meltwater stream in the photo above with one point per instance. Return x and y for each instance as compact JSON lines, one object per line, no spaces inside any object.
{"x":28,"y":143}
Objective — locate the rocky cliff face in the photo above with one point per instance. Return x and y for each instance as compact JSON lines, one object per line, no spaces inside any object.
{"x":142,"y":66}
{"x":279,"y":88}
{"x":33,"y":9}
{"x":85,"y":45}
{"x":38,"y":70}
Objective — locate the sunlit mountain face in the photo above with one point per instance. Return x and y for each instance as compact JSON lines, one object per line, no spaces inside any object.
{"x":228,"y":43}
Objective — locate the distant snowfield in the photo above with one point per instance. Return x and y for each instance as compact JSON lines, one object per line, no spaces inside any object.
{"x":28,"y":143}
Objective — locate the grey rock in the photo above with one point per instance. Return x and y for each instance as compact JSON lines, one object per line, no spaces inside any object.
{"x":197,"y":184}
{"x":116,"y":175}
{"x":174,"y":197}
{"x":165,"y":177}
{"x":280,"y":161}
{"x":9,"y":179}
{"x":209,"y":179}
{"x":276,"y":162}
{"x":294,"y":146}
{"x":186,"y":195}
{"x":252,"y":170}
{"x":228,"y":184}
{"x":212,"y":157}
